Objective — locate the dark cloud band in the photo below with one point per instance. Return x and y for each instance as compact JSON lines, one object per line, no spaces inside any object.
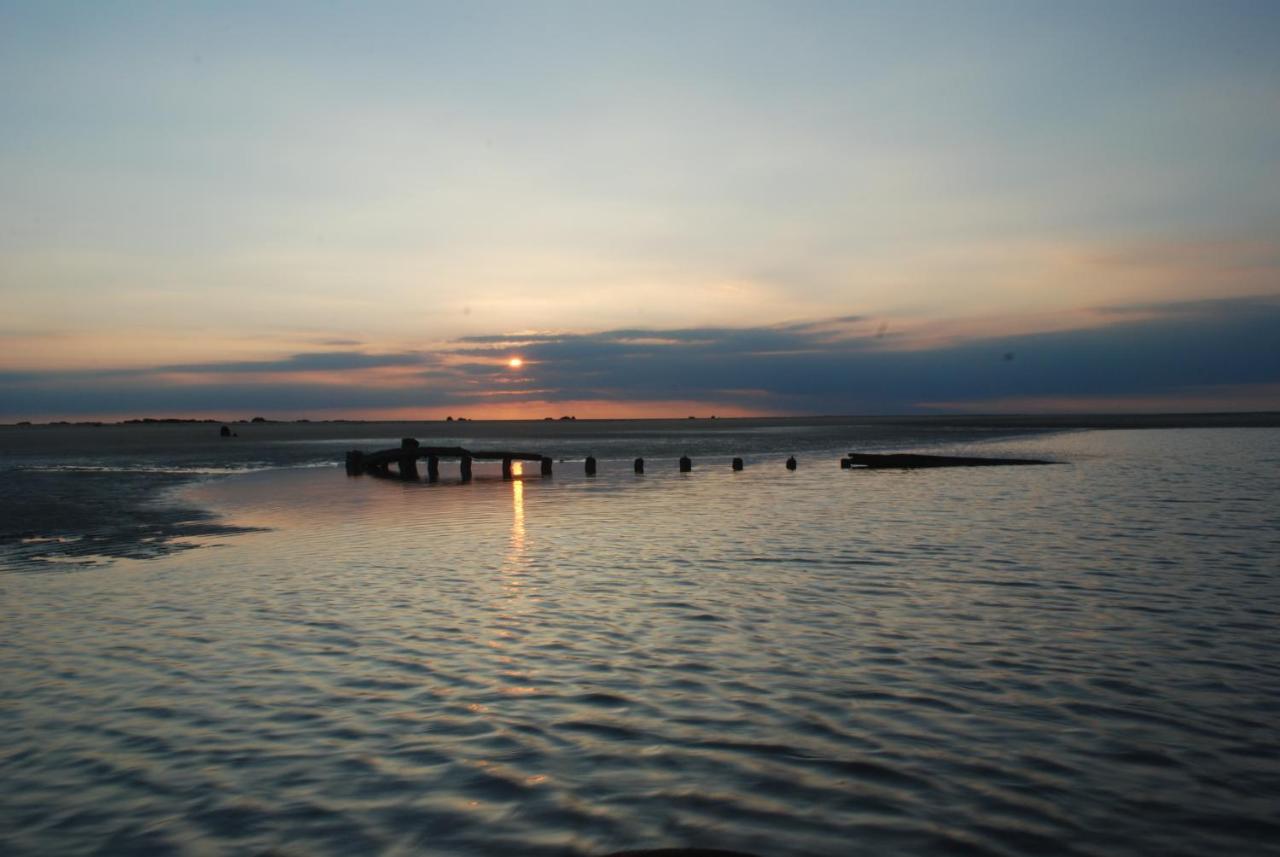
{"x":837,"y":365}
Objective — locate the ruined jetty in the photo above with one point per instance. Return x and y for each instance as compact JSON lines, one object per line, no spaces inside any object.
{"x":410,"y":452}
{"x":914,"y":461}
{"x":402,"y":461}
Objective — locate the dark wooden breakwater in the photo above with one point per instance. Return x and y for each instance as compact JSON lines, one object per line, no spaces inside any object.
{"x":410,"y":452}
{"x":913,"y":461}
{"x":405,"y":458}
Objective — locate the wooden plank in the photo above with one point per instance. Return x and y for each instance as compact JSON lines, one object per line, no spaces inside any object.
{"x":388,"y":455}
{"x":496,"y":456}
{"x":911,"y":460}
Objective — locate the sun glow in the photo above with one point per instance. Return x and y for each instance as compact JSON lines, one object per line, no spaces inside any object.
{"x":515,"y":362}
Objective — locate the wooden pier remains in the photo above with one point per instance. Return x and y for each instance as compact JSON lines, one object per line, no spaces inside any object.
{"x":914,"y":461}
{"x":405,"y":458}
{"x":407,"y":455}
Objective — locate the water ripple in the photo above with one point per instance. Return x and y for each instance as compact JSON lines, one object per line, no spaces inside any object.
{"x":1076,"y":661}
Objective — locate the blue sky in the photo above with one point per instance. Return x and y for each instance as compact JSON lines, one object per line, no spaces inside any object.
{"x":190,"y":188}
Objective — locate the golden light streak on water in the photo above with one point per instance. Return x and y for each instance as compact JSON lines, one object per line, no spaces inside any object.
{"x":517,"y":508}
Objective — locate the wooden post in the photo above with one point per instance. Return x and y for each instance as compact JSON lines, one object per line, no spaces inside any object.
{"x":546,"y":466}
{"x":591,"y":465}
{"x":433,"y":468}
{"x":639,"y":465}
{"x":506,"y":468}
{"x":846,"y":464}
{"x":408,"y":443}
{"x":355,"y":462}
{"x":791,"y":463}
{"x":685,"y":464}
{"x":465,"y":466}
{"x":408,"y":467}
{"x":737,"y":464}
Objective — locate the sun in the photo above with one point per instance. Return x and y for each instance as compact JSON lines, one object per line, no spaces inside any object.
{"x":515,"y":362}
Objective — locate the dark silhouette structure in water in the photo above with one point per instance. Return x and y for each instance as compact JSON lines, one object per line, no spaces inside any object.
{"x":913,"y":461}
{"x":406,"y":457}
{"x":406,"y":460}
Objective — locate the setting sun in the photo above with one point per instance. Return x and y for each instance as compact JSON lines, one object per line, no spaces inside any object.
{"x":515,"y":362}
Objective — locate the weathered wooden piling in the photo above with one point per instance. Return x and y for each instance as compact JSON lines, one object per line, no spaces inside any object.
{"x":433,"y":468}
{"x":737,"y":464}
{"x":465,"y":467}
{"x":409,"y":467}
{"x":408,"y":463}
{"x":590,"y":465}
{"x":546,"y":466}
{"x":355,"y":462}
{"x":686,"y":464}
{"x":506,"y":468}
{"x":791,"y":463}
{"x":639,"y":465}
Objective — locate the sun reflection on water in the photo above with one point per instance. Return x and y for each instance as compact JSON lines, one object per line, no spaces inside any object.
{"x":517,"y":511}
{"x":515,"y":563}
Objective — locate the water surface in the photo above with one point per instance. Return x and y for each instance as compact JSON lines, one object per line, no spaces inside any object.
{"x":1075,"y":659}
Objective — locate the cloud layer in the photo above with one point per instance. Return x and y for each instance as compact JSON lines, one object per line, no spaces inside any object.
{"x":1223,"y":353}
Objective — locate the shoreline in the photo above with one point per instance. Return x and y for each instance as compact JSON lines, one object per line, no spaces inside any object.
{"x":1206,"y":419}
{"x":126,"y":500}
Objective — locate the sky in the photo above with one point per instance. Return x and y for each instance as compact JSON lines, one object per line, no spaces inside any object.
{"x":343,"y":209}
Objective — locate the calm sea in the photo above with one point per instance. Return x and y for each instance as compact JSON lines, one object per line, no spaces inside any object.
{"x":231,"y":647}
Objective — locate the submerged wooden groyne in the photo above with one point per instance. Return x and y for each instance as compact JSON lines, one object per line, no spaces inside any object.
{"x":405,"y":459}
{"x":912,"y":461}
{"x":410,"y":452}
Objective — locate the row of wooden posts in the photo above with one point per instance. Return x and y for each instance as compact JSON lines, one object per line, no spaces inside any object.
{"x":406,"y":456}
{"x":406,"y":460}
